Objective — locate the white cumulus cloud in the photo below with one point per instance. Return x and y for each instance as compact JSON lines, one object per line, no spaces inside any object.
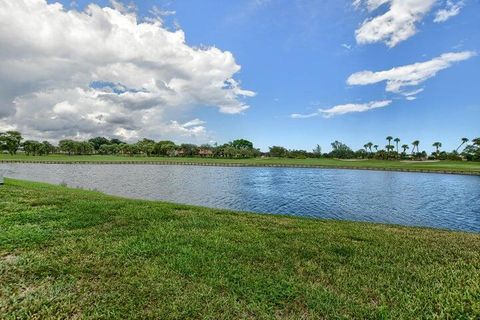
{"x":344,"y":109}
{"x":69,"y":73}
{"x":396,"y":24}
{"x":409,"y":75}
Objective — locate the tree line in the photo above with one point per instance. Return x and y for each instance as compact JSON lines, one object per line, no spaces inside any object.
{"x":393,"y":150}
{"x":12,"y":141}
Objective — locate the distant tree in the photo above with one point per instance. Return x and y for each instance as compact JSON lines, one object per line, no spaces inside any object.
{"x":389,"y":139}
{"x":130,"y":149}
{"x":397,"y":141}
{"x":146,"y":146}
{"x":83,"y":148}
{"x":164,"y":148}
{"x":116,"y":141}
{"x":242,"y":144}
{"x":415,"y":144}
{"x":97,"y":142}
{"x":75,"y":147}
{"x":206,"y":146}
{"x":376,"y":147}
{"x":109,"y":149}
{"x":189,"y":149}
{"x":405,"y":147}
{"x":11,"y":141}
{"x":437,"y":146}
{"x":472,"y":152}
{"x":277,"y":151}
{"x":317,"y":152}
{"x":464,"y":140}
{"x":361,"y":153}
{"x":341,"y":150}
{"x":31,"y":147}
{"x":47,"y":148}
{"x":219,"y":150}
{"x":369,"y":145}
{"x":67,"y":146}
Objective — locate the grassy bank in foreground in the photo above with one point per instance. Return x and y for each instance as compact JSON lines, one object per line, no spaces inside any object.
{"x":448,"y":166}
{"x":68,"y":253}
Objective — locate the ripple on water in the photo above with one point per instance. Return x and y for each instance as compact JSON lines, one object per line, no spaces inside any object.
{"x":419,"y":199}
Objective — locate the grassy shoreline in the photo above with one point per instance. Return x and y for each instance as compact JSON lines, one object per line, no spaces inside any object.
{"x":68,"y":253}
{"x":452,"y":167}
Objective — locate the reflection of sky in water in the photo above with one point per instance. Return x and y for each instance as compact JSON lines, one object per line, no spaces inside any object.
{"x":437,"y":200}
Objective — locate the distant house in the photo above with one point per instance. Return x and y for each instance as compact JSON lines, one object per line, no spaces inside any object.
{"x":179,"y":153}
{"x":205,"y":153}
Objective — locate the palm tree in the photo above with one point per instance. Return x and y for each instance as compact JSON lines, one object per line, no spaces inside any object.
{"x":366,"y":147}
{"x":405,"y":147}
{"x":389,"y":138}
{"x":464,"y":140}
{"x":476,"y":141}
{"x":397,"y":140}
{"x":369,"y":145}
{"x":376,"y":147}
{"x":437,"y":145}
{"x":415,"y":144}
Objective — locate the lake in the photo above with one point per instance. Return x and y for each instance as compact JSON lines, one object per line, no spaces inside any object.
{"x":415,"y":199}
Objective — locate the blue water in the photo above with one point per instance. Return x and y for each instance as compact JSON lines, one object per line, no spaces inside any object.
{"x":417,"y":199}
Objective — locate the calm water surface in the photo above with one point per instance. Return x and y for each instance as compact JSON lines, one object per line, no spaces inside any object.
{"x":434,"y":200}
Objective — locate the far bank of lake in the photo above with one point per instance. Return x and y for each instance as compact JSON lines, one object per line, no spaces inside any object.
{"x":450,"y":167}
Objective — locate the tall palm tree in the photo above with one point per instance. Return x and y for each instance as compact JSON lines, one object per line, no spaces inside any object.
{"x":464,"y":140}
{"x":437,"y":145}
{"x":376,"y":147}
{"x":366,"y":147}
{"x":397,"y":140}
{"x":415,"y":144}
{"x":389,"y":138}
{"x":476,"y":141}
{"x":405,"y":147}
{"x":370,"y":146}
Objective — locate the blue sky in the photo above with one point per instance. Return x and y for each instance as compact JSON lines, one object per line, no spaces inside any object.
{"x":297,"y":56}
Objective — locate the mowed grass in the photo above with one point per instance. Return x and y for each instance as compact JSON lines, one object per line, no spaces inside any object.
{"x":67,"y":253}
{"x":450,"y":166}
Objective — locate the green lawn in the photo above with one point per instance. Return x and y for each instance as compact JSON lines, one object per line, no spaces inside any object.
{"x":450,"y":166}
{"x":68,"y":253}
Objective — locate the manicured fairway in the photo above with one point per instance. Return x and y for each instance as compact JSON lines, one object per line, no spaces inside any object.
{"x":68,"y":253}
{"x":442,"y":166}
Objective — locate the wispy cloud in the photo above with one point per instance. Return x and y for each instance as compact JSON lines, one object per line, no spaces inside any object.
{"x":395,"y":25}
{"x":400,"y":21}
{"x":248,"y":10}
{"x":343,"y":109}
{"x":409,"y":75}
{"x":451,"y":9}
